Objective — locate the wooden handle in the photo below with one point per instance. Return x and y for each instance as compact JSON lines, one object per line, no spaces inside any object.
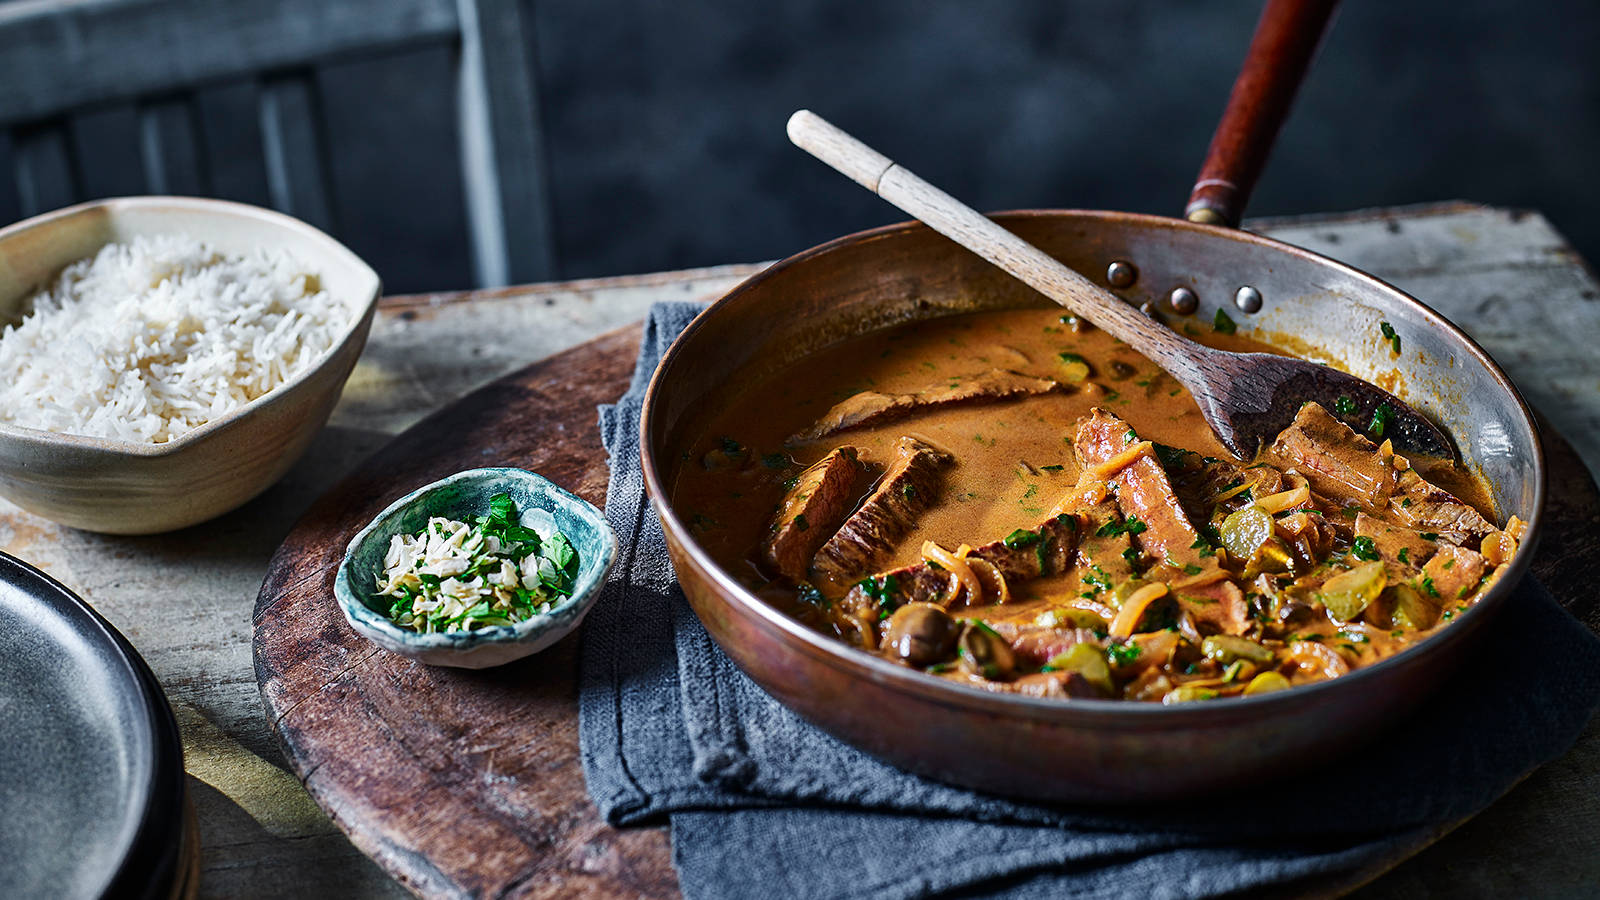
{"x":972,"y":230}
{"x":1286,"y":38}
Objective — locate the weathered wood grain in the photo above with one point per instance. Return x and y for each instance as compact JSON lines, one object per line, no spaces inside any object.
{"x":458,"y":783}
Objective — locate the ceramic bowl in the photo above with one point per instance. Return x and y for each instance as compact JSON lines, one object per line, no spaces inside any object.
{"x":540,"y":504}
{"x":128,"y":488}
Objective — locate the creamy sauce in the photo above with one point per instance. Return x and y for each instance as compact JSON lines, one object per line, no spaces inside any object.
{"x":1014,"y":459}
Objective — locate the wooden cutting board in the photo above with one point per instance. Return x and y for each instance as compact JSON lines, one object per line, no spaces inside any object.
{"x":468,"y":783}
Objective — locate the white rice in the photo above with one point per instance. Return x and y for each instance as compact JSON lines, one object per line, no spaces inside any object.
{"x":149,"y":340}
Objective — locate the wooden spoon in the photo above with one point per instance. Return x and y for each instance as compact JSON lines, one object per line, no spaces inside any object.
{"x":1246,"y":398}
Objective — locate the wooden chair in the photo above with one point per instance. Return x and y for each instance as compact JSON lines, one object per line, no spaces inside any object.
{"x":59,"y":58}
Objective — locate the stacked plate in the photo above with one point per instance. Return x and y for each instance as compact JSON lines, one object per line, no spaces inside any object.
{"x":91,"y":769}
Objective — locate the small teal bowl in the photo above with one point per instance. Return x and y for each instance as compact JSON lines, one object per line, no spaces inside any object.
{"x":539,"y":504}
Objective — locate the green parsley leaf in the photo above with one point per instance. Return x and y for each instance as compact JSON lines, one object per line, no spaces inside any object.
{"x":1222,"y":324}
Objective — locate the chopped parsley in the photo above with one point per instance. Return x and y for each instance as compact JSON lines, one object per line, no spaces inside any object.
{"x":1192,"y":569}
{"x":491,"y":570}
{"x":1363,"y":548}
{"x":1132,"y":556}
{"x":1129,"y":526}
{"x":1429,"y":536}
{"x":1097,"y":579}
{"x":1390,"y":336}
{"x":1344,"y":406}
{"x":1020,"y":538}
{"x":1122,"y":653}
{"x":881,"y":591}
{"x":1381,"y":417}
{"x":1428,"y":588}
{"x":775,"y":461}
{"x":1404,"y":555}
{"x":1222,"y":323}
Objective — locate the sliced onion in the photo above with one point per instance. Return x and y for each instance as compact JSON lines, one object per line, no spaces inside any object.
{"x":993,"y":580}
{"x":956,"y":566}
{"x":1133,"y":609}
{"x":1122,"y":460}
{"x":1277,"y":503}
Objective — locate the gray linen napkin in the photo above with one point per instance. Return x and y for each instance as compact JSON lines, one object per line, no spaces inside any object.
{"x":761,"y":802}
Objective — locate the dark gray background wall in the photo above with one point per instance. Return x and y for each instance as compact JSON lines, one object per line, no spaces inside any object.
{"x":664,"y":121}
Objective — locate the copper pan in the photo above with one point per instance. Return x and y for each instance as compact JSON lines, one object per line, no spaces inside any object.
{"x":1087,"y":750}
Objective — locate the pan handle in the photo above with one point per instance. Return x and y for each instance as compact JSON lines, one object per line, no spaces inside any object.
{"x":1286,"y":39}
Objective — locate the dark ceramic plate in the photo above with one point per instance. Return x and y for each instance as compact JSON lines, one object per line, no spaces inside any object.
{"x":91,"y":769}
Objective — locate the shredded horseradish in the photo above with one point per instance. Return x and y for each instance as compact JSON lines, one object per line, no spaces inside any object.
{"x":455,"y":576}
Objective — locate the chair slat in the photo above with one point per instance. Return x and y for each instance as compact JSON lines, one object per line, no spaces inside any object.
{"x":57,"y":56}
{"x":508,"y":199}
{"x":44,"y":169}
{"x":296,"y":162}
{"x":169,"y":141}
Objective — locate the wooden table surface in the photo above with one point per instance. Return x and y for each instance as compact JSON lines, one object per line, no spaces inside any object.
{"x":185,"y":599}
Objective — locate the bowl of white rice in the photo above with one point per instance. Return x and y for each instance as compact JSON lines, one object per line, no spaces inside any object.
{"x":165,"y":359}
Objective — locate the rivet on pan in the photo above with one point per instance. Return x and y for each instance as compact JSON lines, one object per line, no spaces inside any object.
{"x":1183,"y":300}
{"x":1248,"y":299}
{"x":1121,"y":274}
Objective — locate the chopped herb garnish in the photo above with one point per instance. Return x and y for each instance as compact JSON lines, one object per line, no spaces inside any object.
{"x":1097,"y":578}
{"x":1429,"y":536}
{"x":1363,"y":548}
{"x":1381,"y":417}
{"x":775,"y":461}
{"x":1130,"y":526}
{"x":1390,"y":336}
{"x":1192,"y":569}
{"x":810,"y":594}
{"x":1132,"y":556}
{"x":1344,"y":406}
{"x":1404,"y":555}
{"x":801,"y":523}
{"x":1428,"y":588}
{"x":490,"y":570}
{"x":1170,"y":457}
{"x":1122,"y":653}
{"x":1022,"y":537}
{"x":1054,"y":468}
{"x":1222,"y":324}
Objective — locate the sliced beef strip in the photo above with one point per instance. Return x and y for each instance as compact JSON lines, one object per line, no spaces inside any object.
{"x":1216,"y":607}
{"x":1393,"y":542}
{"x":1427,"y":507}
{"x":1143,"y":491}
{"x":1452,"y":573}
{"x":909,"y":486}
{"x":1341,"y":463}
{"x":1035,"y":645}
{"x":1019,"y":561}
{"x":1334,"y":458}
{"x":811,"y":511}
{"x":871,"y":407}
